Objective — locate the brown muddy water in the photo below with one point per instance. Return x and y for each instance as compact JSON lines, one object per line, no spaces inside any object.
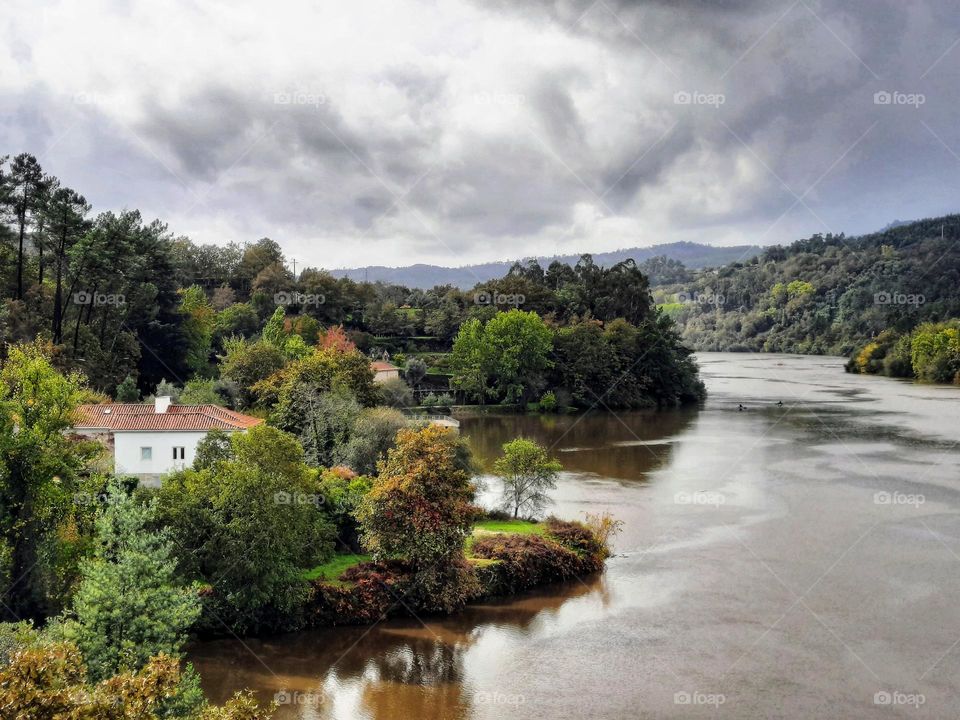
{"x":800,"y":561}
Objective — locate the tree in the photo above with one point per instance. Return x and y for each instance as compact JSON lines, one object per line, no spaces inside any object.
{"x":214,"y":448}
{"x":198,"y":324}
{"x":421,"y":510}
{"x":373,"y":434}
{"x":247,"y":363}
{"x":27,"y":181}
{"x":527,"y":472}
{"x":505,"y":359}
{"x":40,"y":470}
{"x":415,"y":371}
{"x":127,"y":390}
{"x":323,"y":421}
{"x":395,"y":393}
{"x":66,"y":222}
{"x":128,"y":606}
{"x":468,"y":361}
{"x":323,"y":370}
{"x":248,"y":526}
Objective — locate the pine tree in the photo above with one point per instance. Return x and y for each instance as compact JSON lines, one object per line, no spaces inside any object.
{"x":127,"y":390}
{"x":129,"y":607}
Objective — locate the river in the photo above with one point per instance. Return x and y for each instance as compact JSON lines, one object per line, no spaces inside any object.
{"x":794,"y":561}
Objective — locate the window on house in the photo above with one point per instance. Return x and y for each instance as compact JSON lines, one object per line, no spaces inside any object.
{"x":146,"y":453}
{"x":179,"y":453}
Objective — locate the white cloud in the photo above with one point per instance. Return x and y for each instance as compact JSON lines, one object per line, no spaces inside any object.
{"x":452,"y":131}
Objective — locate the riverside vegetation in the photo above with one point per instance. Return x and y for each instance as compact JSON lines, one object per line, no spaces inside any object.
{"x":335,"y":508}
{"x":105,"y":581}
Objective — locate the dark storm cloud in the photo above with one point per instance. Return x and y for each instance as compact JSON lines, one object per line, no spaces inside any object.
{"x":511,"y":126}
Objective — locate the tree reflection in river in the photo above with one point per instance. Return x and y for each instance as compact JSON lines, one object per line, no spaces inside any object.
{"x":624,"y":445}
{"x":400,"y":668}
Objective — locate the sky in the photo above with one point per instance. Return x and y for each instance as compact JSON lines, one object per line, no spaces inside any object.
{"x":392,"y":132}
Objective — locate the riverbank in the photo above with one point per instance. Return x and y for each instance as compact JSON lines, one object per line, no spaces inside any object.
{"x":503,"y":558}
{"x":729,"y":518}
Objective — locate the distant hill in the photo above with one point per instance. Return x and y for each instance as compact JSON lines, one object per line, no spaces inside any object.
{"x":693,"y":255}
{"x":824,"y":294}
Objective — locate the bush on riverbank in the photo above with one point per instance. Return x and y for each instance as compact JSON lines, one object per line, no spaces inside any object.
{"x":500,"y":563}
{"x":930,"y":353}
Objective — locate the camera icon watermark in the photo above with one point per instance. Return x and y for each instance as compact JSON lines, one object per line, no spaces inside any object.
{"x":898,"y":298}
{"x":498,"y":698}
{"x":85,"y":297}
{"x":504,"y":299}
{"x":293,"y":297}
{"x":695,"y":97}
{"x":297,"y":498}
{"x":899,"y":498}
{"x":896,"y":697}
{"x":84,"y":498}
{"x":884,"y":97}
{"x":699,"y":698}
{"x":696,"y":298}
{"x":94,"y":98}
{"x":700,"y":497}
{"x":295,"y":697}
{"x":299,"y":98}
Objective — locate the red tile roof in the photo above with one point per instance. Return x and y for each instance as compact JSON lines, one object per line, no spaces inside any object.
{"x":138,"y":416}
{"x":381,"y":366}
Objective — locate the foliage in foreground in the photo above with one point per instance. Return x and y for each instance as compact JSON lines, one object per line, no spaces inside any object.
{"x":128,"y":606}
{"x":48,"y":681}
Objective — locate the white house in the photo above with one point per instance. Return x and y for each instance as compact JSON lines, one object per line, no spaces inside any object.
{"x":383,"y":371}
{"x":150,"y":440}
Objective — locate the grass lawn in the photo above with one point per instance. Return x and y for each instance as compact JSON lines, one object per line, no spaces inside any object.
{"x":338,"y":564}
{"x":520,"y":527}
{"x":517,"y":527}
{"x":333,"y":569}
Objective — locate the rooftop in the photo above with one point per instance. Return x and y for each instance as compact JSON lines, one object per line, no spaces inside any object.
{"x":140,"y":416}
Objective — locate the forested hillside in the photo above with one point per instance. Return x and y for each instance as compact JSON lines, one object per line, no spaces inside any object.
{"x":131,"y":304}
{"x":824,"y":294}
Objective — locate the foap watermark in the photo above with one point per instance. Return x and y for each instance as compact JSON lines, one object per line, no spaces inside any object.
{"x":898,"y":498}
{"x":885,"y":97}
{"x":85,"y":498}
{"x":295,"y":697}
{"x":896,"y":697}
{"x":700,"y":497}
{"x":696,"y":298}
{"x":85,"y":297}
{"x":507,"y":299}
{"x":95,"y":98}
{"x":898,"y":298}
{"x":297,"y":498}
{"x":699,"y":698}
{"x":485,"y":697}
{"x":502,"y":99}
{"x":684,"y":97}
{"x":293,"y":297}
{"x":299,"y":97}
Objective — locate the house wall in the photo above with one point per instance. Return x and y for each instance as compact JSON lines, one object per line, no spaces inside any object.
{"x":127,"y":452}
{"x":381,"y":376}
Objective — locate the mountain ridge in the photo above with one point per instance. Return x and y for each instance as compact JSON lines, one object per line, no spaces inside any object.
{"x":695,"y":256}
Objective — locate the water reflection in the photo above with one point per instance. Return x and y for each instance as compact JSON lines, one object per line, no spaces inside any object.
{"x":624,"y":446}
{"x":702,"y":596}
{"x":402,"y":668}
